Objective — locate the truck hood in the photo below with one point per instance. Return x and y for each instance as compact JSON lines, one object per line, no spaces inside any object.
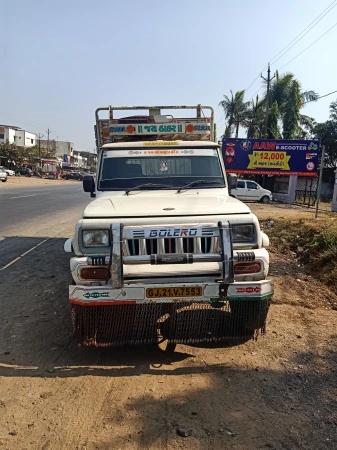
{"x":166,"y":204}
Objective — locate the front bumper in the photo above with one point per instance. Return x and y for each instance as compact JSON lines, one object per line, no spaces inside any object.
{"x":180,"y":297}
{"x":154,"y":293}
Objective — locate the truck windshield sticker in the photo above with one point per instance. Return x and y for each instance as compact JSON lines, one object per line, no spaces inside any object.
{"x":161,"y":152}
{"x":157,"y":144}
{"x":163,"y":166}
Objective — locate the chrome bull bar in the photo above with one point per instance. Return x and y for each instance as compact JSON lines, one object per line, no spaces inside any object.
{"x":118,"y":233}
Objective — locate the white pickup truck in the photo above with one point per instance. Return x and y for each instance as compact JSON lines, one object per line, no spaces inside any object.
{"x":164,"y":252}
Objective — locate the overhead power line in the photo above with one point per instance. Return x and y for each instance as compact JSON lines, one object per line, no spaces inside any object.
{"x":333,"y":26}
{"x":257,"y":77}
{"x":18,"y":119}
{"x":273,"y":60}
{"x":305,"y":31}
{"x":253,"y":96}
{"x":27,"y":122}
{"x":220,"y":120}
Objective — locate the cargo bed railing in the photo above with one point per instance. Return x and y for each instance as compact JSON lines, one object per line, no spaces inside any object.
{"x":117,"y":258}
{"x":112,"y":129}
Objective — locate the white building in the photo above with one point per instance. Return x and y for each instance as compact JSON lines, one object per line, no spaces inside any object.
{"x":15,"y":135}
{"x":79,"y":160}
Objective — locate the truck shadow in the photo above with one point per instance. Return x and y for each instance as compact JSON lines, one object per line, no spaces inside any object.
{"x":239,"y":409}
{"x":35,"y":322}
{"x":219,"y":405}
{"x":233,"y":406}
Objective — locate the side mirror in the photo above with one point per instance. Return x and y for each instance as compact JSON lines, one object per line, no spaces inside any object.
{"x":265,"y":240}
{"x":89,"y":185}
{"x":232,"y":180}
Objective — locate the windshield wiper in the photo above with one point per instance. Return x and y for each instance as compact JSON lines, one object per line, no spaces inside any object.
{"x":147,"y":185}
{"x":196,"y":183}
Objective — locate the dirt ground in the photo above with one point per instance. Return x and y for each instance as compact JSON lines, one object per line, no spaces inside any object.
{"x":293,"y":212}
{"x":278,"y":392}
{"x":23,"y":181}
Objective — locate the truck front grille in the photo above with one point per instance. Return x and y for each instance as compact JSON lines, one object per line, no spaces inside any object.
{"x":136,"y":247}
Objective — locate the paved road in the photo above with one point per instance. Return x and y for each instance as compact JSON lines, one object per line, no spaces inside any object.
{"x":34,"y":209}
{"x":30,"y":215}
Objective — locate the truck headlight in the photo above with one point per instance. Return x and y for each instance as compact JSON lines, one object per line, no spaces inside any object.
{"x":243,"y":233}
{"x":95,"y":238}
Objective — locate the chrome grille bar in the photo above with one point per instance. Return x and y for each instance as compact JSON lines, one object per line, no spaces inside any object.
{"x":146,"y":259}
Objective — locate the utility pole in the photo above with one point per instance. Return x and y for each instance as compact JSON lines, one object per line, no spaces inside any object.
{"x":268,"y":80}
{"x":321,"y":168}
{"x":48,"y":132}
{"x":40,"y":136}
{"x":334,"y":198}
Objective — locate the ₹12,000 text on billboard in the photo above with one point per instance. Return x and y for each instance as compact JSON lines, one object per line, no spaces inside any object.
{"x":270,"y":157}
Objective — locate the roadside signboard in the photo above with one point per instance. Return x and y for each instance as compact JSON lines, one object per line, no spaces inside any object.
{"x":271,"y":157}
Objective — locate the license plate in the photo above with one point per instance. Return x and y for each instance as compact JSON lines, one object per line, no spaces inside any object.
{"x":174,"y":292}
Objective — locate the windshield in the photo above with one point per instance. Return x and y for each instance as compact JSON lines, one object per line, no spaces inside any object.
{"x":126,"y":169}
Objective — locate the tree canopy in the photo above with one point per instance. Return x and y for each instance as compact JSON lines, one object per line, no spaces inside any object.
{"x":285,"y":119}
{"x":326,"y":132}
{"x":19,"y":155}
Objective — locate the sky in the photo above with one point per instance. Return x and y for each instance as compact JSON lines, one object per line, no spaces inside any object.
{"x":61,"y":60}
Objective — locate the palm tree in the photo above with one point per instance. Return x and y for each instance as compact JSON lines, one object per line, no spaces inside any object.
{"x":235,"y":109}
{"x":279,"y":88}
{"x":228,"y":132}
{"x":291,"y":111}
{"x":286,"y":91}
{"x":286,"y":99}
{"x":307,"y":127}
{"x":256,"y":117}
{"x":273,"y":122}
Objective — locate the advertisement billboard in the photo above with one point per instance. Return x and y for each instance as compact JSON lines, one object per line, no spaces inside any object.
{"x":271,"y":157}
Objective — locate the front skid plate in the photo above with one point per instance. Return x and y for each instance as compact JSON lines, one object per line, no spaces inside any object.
{"x":182,"y":322}
{"x":135,"y":294}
